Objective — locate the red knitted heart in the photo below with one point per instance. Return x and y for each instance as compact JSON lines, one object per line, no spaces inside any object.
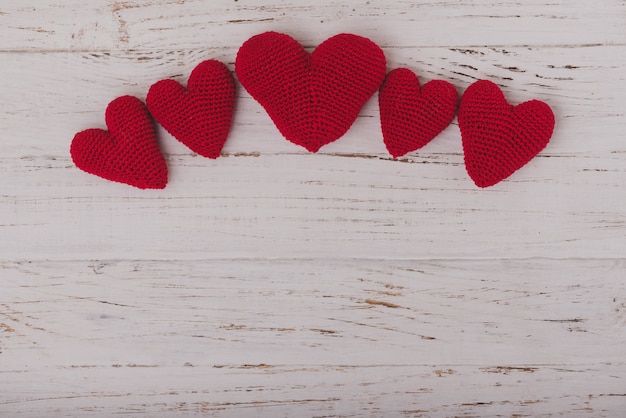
{"x":499,"y":138}
{"x":199,"y":116}
{"x":128,"y":152}
{"x":313,"y":98}
{"x":410,"y":116}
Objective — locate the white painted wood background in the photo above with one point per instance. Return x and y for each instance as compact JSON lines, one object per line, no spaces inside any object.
{"x":274,"y":282}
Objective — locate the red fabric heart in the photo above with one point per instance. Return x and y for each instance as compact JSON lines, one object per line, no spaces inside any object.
{"x":410,"y":116}
{"x":199,"y":116}
{"x":128,"y":152}
{"x":499,"y":138}
{"x":313,"y":98}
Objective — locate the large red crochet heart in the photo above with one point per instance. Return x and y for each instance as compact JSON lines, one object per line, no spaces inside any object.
{"x":499,"y":138}
{"x":199,"y":116}
{"x":128,"y":152}
{"x":410,"y":116}
{"x":313,"y":98}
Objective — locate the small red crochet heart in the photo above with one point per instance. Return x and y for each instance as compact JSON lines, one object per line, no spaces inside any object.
{"x":313,"y":98}
{"x":411,"y":116}
{"x":128,"y":152}
{"x":499,"y":138}
{"x":199,"y":116}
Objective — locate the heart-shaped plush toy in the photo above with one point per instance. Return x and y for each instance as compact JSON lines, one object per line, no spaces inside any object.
{"x":499,"y":138}
{"x":128,"y":152}
{"x":200,"y":115}
{"x":410,"y":116}
{"x":313,"y":98}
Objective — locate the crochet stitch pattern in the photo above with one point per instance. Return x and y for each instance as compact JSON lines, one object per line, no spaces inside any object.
{"x":411,"y":116}
{"x":199,"y":116}
{"x":312,"y":98}
{"x":499,"y":138}
{"x":128,"y":152}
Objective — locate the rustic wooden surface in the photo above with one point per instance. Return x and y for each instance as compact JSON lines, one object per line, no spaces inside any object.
{"x":274,"y":282}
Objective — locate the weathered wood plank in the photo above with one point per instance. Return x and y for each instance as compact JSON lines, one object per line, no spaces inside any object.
{"x":104,"y":25}
{"x":310,"y":337}
{"x":327,"y":390}
{"x":316,"y":206}
{"x":318,"y":311}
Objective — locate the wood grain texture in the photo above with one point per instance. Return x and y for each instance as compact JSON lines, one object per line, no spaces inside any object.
{"x":293,"y":206}
{"x":275,"y":282}
{"x":337,"y":337}
{"x":191,"y":24}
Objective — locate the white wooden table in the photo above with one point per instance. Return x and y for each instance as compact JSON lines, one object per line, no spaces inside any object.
{"x":275,"y":282}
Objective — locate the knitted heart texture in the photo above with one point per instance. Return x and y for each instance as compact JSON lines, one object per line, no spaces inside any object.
{"x":411,"y":116}
{"x":200,"y":115}
{"x":128,"y":152}
{"x":499,"y":138}
{"x":313,"y":98}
